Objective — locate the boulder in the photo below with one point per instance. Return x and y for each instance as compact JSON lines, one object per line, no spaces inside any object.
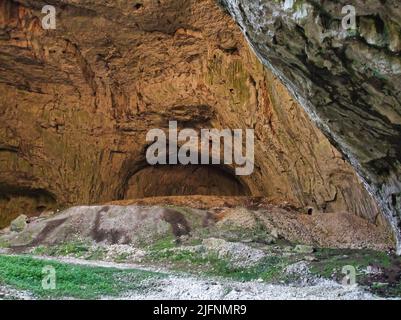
{"x":301,"y":248}
{"x":19,"y":224}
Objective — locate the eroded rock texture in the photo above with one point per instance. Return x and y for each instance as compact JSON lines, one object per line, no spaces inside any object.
{"x":347,"y":80}
{"x":77,"y":102}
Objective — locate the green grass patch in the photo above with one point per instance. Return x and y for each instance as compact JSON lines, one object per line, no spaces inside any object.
{"x":164,"y":243}
{"x":74,"y":281}
{"x":386,"y":284}
{"x":72,"y":249}
{"x":122,"y":257}
{"x":4,"y":243}
{"x":269,"y":269}
{"x":95,"y":253}
{"x":76,"y":249}
{"x":331,"y":261}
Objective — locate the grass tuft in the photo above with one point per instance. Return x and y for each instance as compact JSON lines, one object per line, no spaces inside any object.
{"x":72,"y":281}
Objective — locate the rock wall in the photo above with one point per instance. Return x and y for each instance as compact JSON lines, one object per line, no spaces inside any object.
{"x":347,"y":80}
{"x":77,"y":102}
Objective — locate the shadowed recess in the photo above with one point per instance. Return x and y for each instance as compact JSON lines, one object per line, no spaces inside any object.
{"x":174,"y":180}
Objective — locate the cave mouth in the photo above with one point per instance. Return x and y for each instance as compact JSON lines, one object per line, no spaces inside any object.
{"x":184,"y":180}
{"x":31,"y":202}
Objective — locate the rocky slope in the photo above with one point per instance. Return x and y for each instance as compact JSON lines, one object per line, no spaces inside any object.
{"x":144,"y":225}
{"x":76,"y":103}
{"x":348,"y":81}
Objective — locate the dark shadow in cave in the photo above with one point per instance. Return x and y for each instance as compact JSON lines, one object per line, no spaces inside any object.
{"x":183,"y":180}
{"x":15,"y":201}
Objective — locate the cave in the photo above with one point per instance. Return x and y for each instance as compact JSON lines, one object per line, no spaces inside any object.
{"x":76,"y":104}
{"x":286,"y":119}
{"x":183,"y":180}
{"x":31,"y":202}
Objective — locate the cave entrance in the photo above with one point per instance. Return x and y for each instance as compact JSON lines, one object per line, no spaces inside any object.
{"x":180,"y":180}
{"x":31,"y":202}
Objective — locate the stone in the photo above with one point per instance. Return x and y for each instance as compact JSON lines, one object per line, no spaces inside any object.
{"x":19,"y":224}
{"x":300,"y":248}
{"x":5,"y":230}
{"x":310,"y":259}
{"x":238,"y":254}
{"x":288,"y":249}
{"x":274,"y":233}
{"x":47,"y":214}
{"x":375,"y":270}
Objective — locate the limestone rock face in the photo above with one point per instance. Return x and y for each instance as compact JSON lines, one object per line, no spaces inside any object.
{"x":76,"y":104}
{"x":347,"y":80}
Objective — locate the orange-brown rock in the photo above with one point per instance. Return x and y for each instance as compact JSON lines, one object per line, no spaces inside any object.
{"x":77,"y":102}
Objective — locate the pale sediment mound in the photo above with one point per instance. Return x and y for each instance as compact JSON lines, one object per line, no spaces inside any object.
{"x":144,"y":225}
